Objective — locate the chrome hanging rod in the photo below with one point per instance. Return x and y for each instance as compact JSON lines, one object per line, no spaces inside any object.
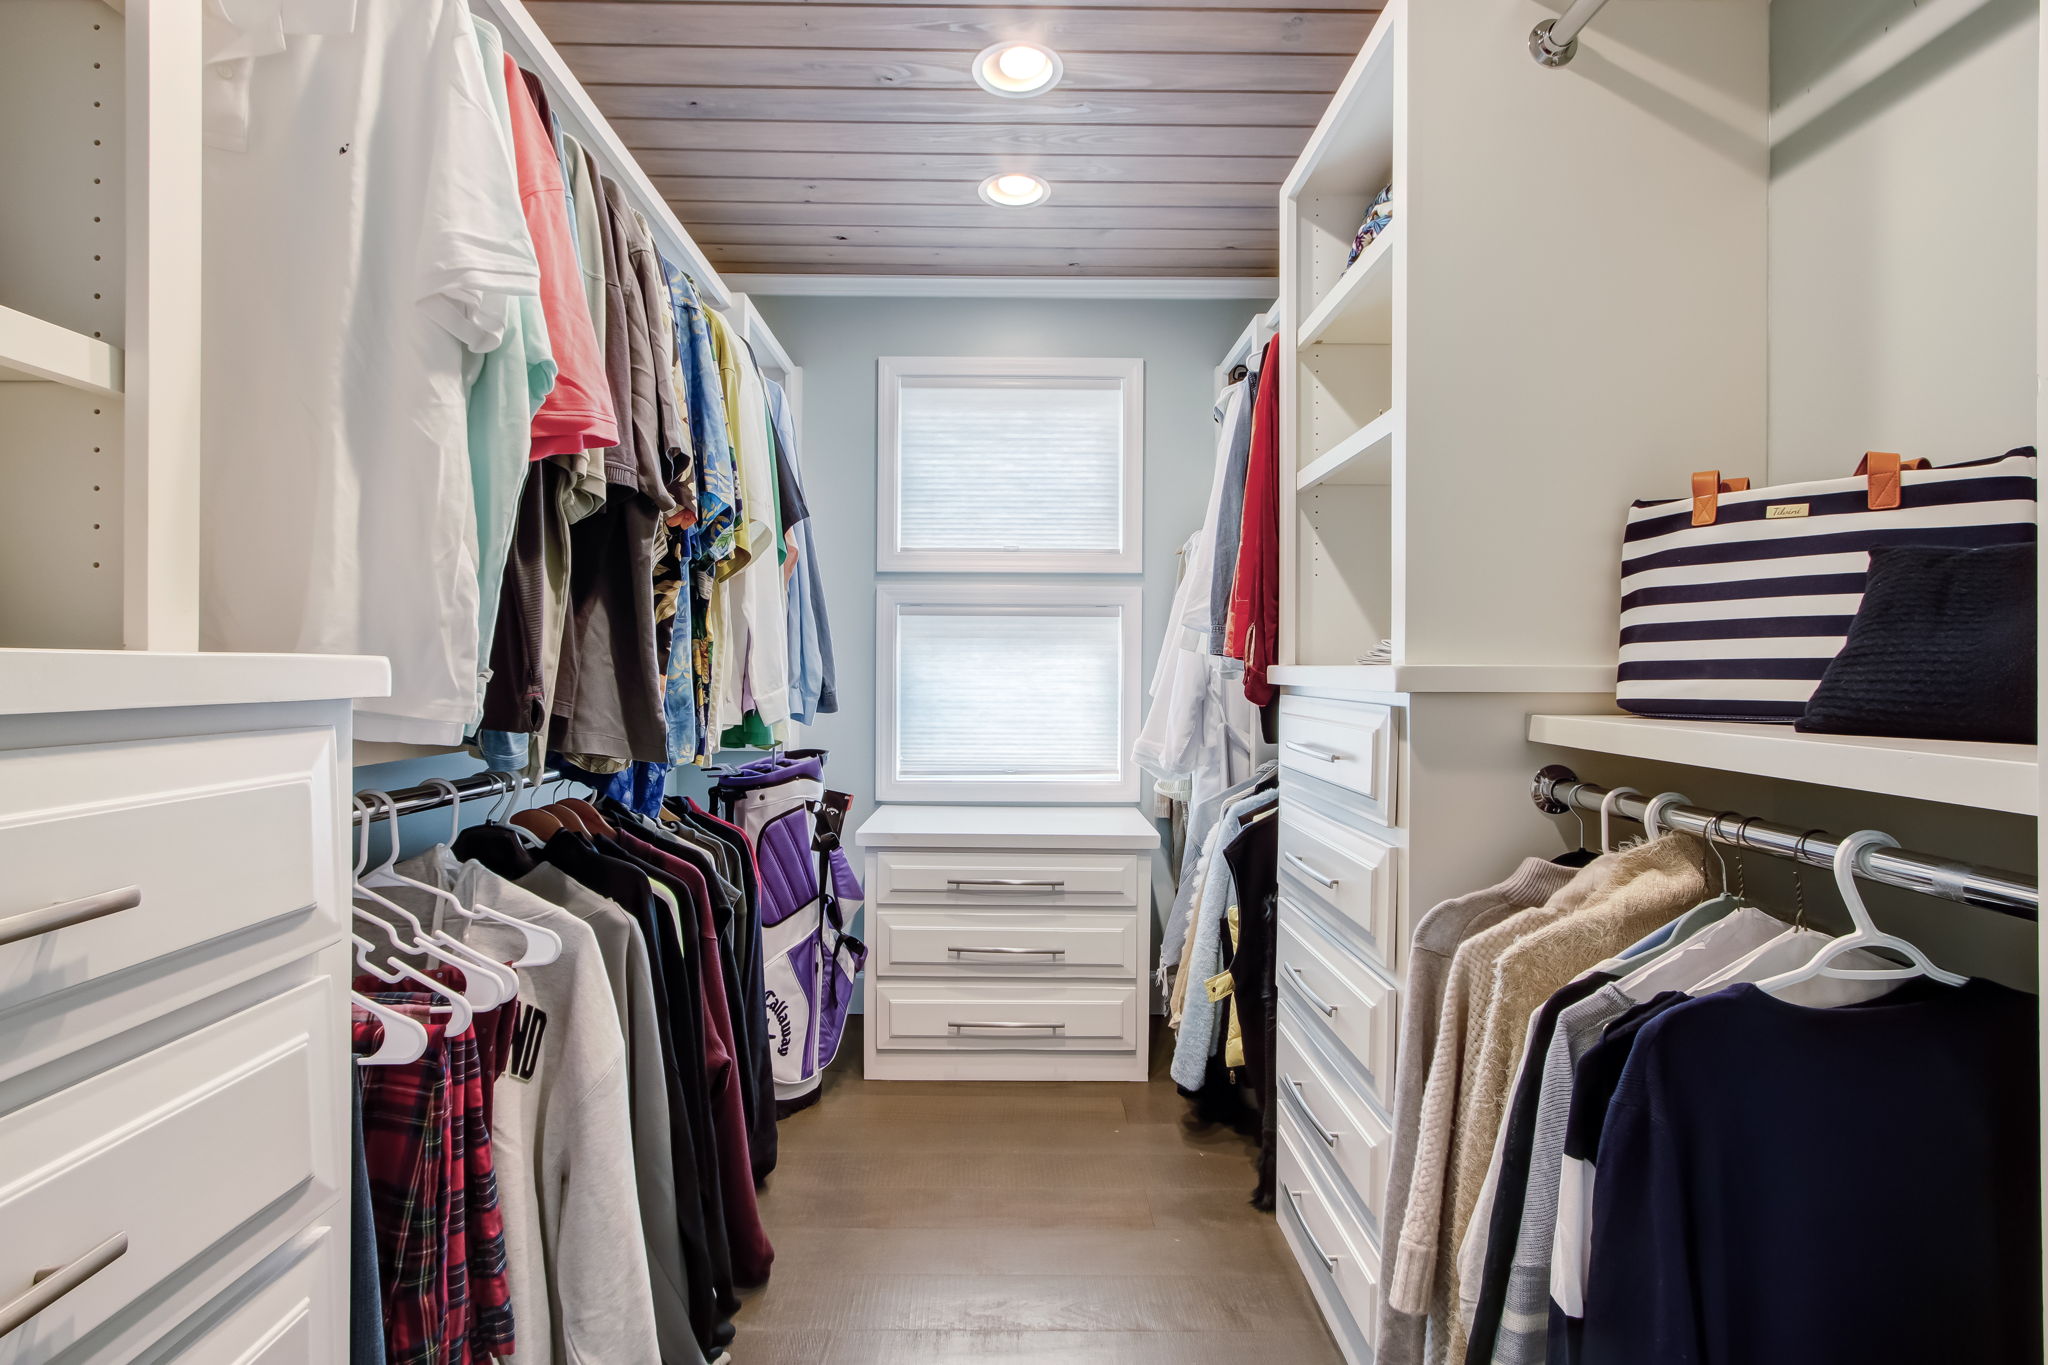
{"x":413,"y":800}
{"x":1556,"y":41}
{"x":1557,"y":790}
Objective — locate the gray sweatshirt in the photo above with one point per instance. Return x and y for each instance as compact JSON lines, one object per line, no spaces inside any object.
{"x":561,"y":1145}
{"x":632,"y":981}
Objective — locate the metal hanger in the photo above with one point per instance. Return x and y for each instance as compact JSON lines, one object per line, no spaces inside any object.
{"x":1849,"y":854}
{"x":405,"y":1038}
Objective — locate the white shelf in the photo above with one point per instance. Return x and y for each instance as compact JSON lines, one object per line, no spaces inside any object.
{"x":1984,"y":776}
{"x":46,"y":681}
{"x":1365,"y":456}
{"x":31,"y":349}
{"x":1576,"y":678}
{"x":1359,"y":309}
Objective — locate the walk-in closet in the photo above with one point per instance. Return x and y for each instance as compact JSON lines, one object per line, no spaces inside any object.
{"x":1102,"y":681}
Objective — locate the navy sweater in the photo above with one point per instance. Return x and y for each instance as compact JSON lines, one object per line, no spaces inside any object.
{"x":1780,"y":1185}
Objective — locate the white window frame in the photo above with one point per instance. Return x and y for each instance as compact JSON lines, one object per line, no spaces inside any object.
{"x":892,"y":371}
{"x":1022,"y":598}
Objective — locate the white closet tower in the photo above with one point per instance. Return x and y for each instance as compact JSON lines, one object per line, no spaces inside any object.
{"x":1569,"y":312}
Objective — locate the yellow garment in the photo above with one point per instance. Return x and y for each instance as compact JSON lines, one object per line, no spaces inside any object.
{"x":1233,"y":1044}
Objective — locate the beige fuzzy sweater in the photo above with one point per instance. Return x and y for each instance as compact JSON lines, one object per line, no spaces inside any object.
{"x":1513,"y":970}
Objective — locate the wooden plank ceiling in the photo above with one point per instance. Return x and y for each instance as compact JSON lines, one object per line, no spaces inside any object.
{"x":808,"y":137}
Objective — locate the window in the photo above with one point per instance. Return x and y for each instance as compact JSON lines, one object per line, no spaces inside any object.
{"x":1007,"y":692}
{"x":1010,"y":465}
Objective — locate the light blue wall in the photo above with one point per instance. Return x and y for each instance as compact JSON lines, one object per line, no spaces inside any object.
{"x":837,"y":341}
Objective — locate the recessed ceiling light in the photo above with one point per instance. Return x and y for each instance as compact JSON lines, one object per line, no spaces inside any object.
{"x":1017,"y":70}
{"x":1015,"y":190}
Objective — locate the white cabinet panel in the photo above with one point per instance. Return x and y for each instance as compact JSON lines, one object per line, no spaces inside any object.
{"x":1350,"y":1000}
{"x":1348,"y":743}
{"x":1331,"y":1111}
{"x":1005,"y":943}
{"x":213,"y":835}
{"x":1006,"y":1017}
{"x":1350,"y":872}
{"x":1003,"y":877}
{"x":176,"y":1150}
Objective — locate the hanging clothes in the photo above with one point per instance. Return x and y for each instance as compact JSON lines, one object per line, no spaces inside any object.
{"x":1253,"y":629}
{"x":365,"y":244}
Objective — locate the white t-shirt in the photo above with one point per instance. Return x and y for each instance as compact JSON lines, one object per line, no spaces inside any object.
{"x":363,"y":236}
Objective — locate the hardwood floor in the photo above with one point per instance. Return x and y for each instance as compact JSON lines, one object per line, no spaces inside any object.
{"x":926,"y":1223}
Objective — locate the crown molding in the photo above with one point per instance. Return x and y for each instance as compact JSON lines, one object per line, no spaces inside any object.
{"x":1001,"y":287}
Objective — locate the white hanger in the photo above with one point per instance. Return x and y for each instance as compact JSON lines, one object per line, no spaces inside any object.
{"x":1652,"y":825}
{"x":501,"y":813}
{"x":458,"y":1007}
{"x":543,"y":945}
{"x":434,"y":947}
{"x":1607,"y":815}
{"x":405,"y":1038}
{"x":503,"y":981}
{"x":1848,"y":862}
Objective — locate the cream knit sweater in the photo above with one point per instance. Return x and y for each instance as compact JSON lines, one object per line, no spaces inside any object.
{"x":1578,"y":928}
{"x":1411,"y":1263}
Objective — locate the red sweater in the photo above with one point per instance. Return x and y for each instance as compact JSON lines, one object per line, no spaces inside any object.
{"x":1254,"y":622}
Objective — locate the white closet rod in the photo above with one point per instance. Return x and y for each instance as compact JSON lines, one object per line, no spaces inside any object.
{"x":573,"y":105}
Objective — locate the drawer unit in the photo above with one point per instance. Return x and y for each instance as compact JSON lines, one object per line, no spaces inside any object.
{"x":287,"y":1311}
{"x":1013,"y":943}
{"x":1353,"y":1003}
{"x":1007,"y":1017}
{"x":1009,"y":943}
{"x":1003,"y":877}
{"x":1348,"y":743}
{"x":120,"y":854}
{"x":1340,"y":1262}
{"x":128,"y":1177}
{"x":1329,"y":1108}
{"x":1349,"y":872}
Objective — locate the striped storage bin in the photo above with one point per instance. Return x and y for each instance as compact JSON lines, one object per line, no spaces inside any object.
{"x":1734,"y":600}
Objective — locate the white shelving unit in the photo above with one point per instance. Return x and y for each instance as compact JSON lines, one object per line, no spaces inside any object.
{"x":2004,"y":777}
{"x":100,"y":305}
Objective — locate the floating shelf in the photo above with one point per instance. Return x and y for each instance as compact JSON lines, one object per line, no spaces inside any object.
{"x":1365,"y":456}
{"x":31,"y":349}
{"x":1579,"y":678}
{"x":1984,"y":776}
{"x":1359,"y":309}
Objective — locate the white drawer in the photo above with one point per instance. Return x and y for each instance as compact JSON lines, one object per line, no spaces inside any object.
{"x":174,"y":1150}
{"x":1354,"y":1002}
{"x":290,"y":1310}
{"x":999,"y":1016}
{"x":1349,"y":743}
{"x":1005,"y":943}
{"x":1005,"y":878}
{"x":1328,"y":1109}
{"x":1350,"y":872}
{"x":216,"y":834}
{"x":1336,"y":1256}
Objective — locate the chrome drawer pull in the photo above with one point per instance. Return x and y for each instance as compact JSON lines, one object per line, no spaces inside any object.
{"x":1014,"y":952}
{"x":52,"y":1285}
{"x":1000,"y":1023}
{"x":1308,"y":869}
{"x":1317,"y":751}
{"x":64,"y":914}
{"x":1329,"y":1010}
{"x":1301,"y":1098}
{"x":1307,"y":1233}
{"x":1007,"y":883}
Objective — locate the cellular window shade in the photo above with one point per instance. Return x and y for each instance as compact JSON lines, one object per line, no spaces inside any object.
{"x":1035,"y":467}
{"x":1012,"y":696}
